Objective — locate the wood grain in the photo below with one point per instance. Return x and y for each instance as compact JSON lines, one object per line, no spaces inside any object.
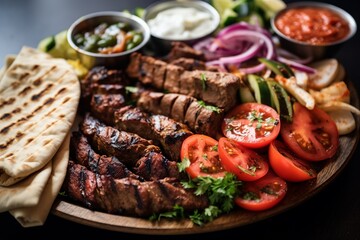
{"x":297,"y":193}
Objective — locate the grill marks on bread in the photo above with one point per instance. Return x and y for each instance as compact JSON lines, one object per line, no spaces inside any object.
{"x":38,"y":101}
{"x":43,"y":107}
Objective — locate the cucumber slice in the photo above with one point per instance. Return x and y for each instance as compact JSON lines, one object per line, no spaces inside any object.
{"x":47,"y":44}
{"x":226,"y":11}
{"x":280,"y":100}
{"x":228,"y":17}
{"x":270,"y":7}
{"x":261,"y":89}
{"x":139,"y":12}
{"x":246,"y":94}
{"x":277,"y":67}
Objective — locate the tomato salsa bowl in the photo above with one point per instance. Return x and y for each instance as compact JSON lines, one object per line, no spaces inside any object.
{"x":107,"y":38}
{"x":313,"y":29}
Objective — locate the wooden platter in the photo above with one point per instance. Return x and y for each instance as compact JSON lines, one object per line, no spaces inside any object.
{"x":297,"y":194}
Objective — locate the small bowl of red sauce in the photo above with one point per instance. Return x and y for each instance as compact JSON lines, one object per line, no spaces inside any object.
{"x":313,"y":29}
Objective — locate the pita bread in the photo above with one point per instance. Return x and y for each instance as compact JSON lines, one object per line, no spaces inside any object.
{"x":36,"y":215}
{"x":39,"y":97}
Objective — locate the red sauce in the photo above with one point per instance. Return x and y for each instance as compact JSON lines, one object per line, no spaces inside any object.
{"x":313,"y":25}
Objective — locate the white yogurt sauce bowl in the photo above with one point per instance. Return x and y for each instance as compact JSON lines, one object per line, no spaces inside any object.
{"x":185,"y":21}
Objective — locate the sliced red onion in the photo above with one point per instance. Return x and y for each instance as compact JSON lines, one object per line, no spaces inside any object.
{"x":296,"y":65}
{"x":258,"y":39}
{"x":250,"y":53}
{"x":291,"y":56}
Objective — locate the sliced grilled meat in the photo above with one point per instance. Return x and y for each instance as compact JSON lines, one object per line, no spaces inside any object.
{"x":164,"y":131}
{"x":128,"y":196}
{"x":154,"y":166}
{"x":103,"y":106}
{"x":199,"y":117}
{"x":108,"y":89}
{"x":182,"y":50}
{"x":127,"y":147}
{"x":191,"y":64}
{"x":100,"y":75}
{"x":214,"y":88}
{"x":100,"y":164}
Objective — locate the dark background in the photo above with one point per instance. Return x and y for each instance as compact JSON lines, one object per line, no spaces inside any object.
{"x":333,"y":213}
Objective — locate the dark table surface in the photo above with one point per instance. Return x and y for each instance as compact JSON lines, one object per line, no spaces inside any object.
{"x":333,"y":213}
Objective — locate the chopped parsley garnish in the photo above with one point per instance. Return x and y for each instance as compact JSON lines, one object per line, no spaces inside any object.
{"x":183,"y":164}
{"x":203,"y":81}
{"x":220,"y":191}
{"x":209,"y":107}
{"x":131,"y":89}
{"x":214,"y":148}
{"x":259,"y":118}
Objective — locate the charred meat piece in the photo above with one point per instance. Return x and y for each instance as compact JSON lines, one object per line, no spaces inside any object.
{"x":103,"y":106}
{"x":108,"y":89}
{"x":128,"y":196}
{"x":191,"y":64}
{"x":215,"y":88}
{"x":127,"y":147}
{"x":182,"y":50}
{"x":164,"y":131}
{"x":185,"y":109}
{"x":100,"y":75}
{"x":100,"y":164}
{"x":154,"y":166}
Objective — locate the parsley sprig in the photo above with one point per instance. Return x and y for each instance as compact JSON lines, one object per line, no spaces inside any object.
{"x":220,"y":192}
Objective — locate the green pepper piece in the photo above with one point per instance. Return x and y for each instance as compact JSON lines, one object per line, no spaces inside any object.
{"x":107,"y":41}
{"x":137,"y":39}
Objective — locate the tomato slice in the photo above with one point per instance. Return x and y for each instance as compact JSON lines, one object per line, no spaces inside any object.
{"x":312,"y":134}
{"x":262,"y":194}
{"x":287,"y":166}
{"x":202,"y":152}
{"x":246,"y":164}
{"x":254,"y":125}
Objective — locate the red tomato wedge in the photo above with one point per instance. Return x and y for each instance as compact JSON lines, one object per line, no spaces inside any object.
{"x":262,"y":194}
{"x":246,"y":164}
{"x":287,"y":166}
{"x":312,"y":134}
{"x":254,"y":125}
{"x":202,"y":152}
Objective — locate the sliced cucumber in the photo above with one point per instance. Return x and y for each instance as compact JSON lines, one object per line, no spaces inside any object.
{"x":47,"y":44}
{"x":228,"y":17}
{"x":280,"y":100}
{"x":139,"y":12}
{"x":246,"y":94}
{"x":260,"y":88}
{"x":277,"y":67}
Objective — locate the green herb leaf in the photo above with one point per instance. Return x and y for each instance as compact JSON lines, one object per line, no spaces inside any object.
{"x":183,"y":164}
{"x":131,"y":89}
{"x":203,"y":81}
{"x":177,"y":212}
{"x":209,"y":107}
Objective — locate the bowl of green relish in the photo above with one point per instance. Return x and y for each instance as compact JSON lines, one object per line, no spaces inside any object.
{"x":107,"y":38}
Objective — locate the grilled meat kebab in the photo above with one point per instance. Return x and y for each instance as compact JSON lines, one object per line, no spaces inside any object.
{"x":199,"y":117}
{"x":128,"y":196}
{"x":215,"y":88}
{"x":164,"y":131}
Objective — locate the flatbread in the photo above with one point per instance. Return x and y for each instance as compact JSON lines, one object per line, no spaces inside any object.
{"x":39,"y":96}
{"x":36,"y":215}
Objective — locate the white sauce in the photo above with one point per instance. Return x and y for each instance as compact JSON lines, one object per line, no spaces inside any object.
{"x":181,"y":23}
